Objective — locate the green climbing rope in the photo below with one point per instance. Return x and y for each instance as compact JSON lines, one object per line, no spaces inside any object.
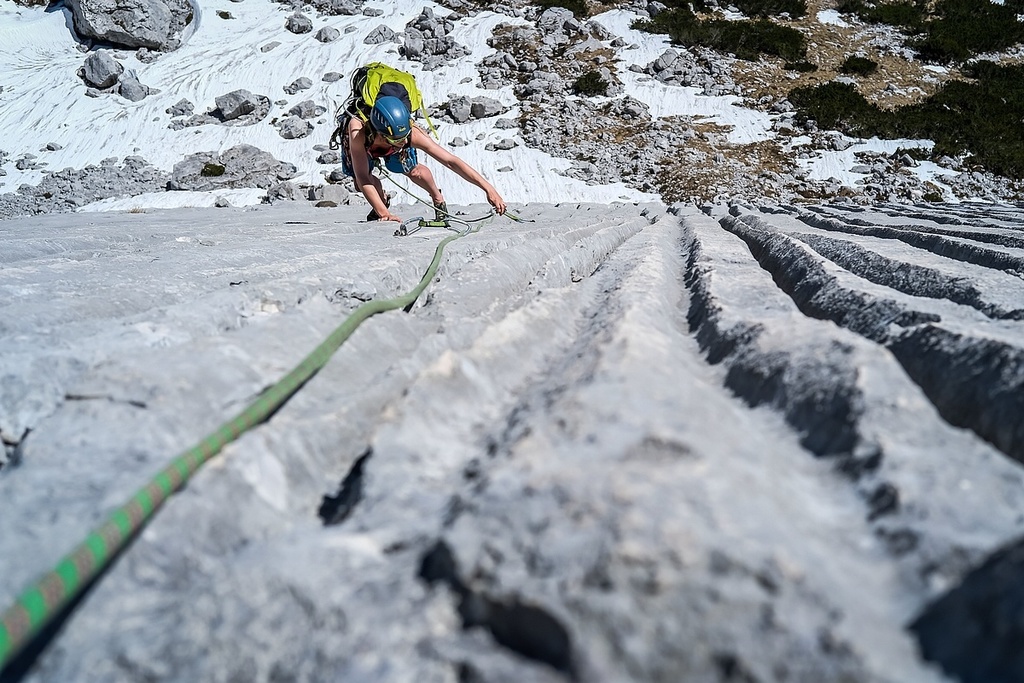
{"x":41,"y":602}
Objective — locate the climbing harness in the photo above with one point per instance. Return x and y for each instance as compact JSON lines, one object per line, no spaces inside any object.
{"x":39,"y":604}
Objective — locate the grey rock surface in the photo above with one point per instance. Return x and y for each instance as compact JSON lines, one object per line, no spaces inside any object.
{"x":154,"y":24}
{"x":238,"y":167}
{"x":617,"y":443}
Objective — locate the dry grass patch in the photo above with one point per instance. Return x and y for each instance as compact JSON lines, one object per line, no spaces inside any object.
{"x":707,"y":169}
{"x":897,"y":82}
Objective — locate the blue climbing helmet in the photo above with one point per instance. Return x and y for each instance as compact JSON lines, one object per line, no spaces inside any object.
{"x":390,"y":117}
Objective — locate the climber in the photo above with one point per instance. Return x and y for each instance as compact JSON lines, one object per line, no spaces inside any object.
{"x":384,"y":132}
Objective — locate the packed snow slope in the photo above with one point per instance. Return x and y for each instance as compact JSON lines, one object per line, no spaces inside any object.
{"x":43,"y":99}
{"x":50,"y":120}
{"x":617,"y":443}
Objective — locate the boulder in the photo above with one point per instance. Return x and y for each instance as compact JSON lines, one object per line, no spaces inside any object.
{"x":307,"y":109}
{"x":327,"y":34}
{"x":330,"y":156}
{"x":154,"y":24}
{"x":380,"y":35}
{"x":413,"y":46}
{"x":299,"y":23}
{"x":129,"y":87}
{"x":293,"y":127}
{"x":332,"y":193}
{"x":284,"y":190}
{"x":298,"y":84}
{"x":238,"y":167}
{"x":460,"y":109}
{"x":236,"y":103}
{"x":483,"y":107}
{"x":181,"y":108}
{"x":101,"y":70}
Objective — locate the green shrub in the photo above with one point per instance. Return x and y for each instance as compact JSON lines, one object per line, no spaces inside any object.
{"x":838,"y":106}
{"x":858,"y":66}
{"x":851,"y":6}
{"x":590,"y":84}
{"x":211,"y":170}
{"x":746,"y":39}
{"x":918,"y":153}
{"x":803,"y":67}
{"x":907,"y":14}
{"x":982,"y":118}
{"x":964,"y":28}
{"x":772,"y":8}
{"x":956,"y":30}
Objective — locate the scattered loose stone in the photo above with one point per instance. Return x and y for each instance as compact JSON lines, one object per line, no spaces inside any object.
{"x":129,"y":87}
{"x":327,"y":34}
{"x":284,"y":190}
{"x":294,"y":127}
{"x":307,"y":109}
{"x":101,"y":70}
{"x":380,"y":35}
{"x":298,"y":84}
{"x":235,"y":104}
{"x":329,"y":157}
{"x":299,"y":23}
{"x":483,"y":107}
{"x":69,"y":189}
{"x":427,"y":40}
{"x":182,"y":107}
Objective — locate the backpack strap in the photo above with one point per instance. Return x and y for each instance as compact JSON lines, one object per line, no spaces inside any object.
{"x":338,"y":137}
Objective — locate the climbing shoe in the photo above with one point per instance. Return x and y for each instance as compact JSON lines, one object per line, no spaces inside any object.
{"x":440,"y":211}
{"x":373,"y":216}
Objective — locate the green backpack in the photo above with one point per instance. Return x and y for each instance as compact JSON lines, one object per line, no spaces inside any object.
{"x":377,"y":80}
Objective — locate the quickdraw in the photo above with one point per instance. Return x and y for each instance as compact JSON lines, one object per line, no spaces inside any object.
{"x":413,"y":225}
